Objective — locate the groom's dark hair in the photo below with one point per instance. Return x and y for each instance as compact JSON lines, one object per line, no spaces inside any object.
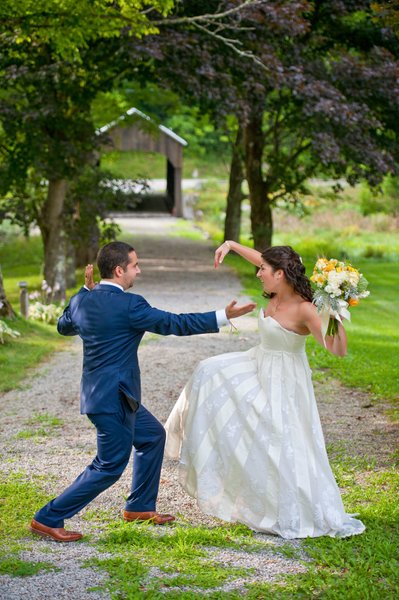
{"x":112,"y":255}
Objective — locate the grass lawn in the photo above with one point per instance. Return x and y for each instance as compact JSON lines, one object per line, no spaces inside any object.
{"x":364,"y":566}
{"x":18,"y":356}
{"x":174,"y":562}
{"x":22,"y":260}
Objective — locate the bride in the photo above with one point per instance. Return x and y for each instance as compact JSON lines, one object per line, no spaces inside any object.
{"x":246,"y":427}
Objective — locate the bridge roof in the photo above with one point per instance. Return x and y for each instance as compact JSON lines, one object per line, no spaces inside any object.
{"x":135,"y":111}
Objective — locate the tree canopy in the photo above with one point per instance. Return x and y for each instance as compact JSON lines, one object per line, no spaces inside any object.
{"x":56,"y":56}
{"x":308,"y":86}
{"x":314,"y":85}
{"x":69,"y":26}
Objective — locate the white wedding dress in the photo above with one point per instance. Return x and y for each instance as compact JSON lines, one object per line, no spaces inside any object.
{"x":248,"y":435}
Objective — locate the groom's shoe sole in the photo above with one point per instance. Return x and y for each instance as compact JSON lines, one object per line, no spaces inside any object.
{"x":59,"y":534}
{"x":150,"y":516}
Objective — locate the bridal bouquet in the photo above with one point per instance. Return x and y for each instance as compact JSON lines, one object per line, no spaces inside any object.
{"x":338,"y":285}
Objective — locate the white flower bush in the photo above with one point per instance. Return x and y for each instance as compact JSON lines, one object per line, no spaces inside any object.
{"x":48,"y":313}
{"x":6,"y":330}
{"x":42,"y":309}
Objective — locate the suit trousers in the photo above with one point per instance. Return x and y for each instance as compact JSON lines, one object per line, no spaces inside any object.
{"x":117,"y":434}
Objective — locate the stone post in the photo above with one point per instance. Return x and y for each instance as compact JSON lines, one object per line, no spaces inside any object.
{"x":23,"y":298}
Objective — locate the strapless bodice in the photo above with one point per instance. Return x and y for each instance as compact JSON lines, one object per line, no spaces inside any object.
{"x":275,"y":337}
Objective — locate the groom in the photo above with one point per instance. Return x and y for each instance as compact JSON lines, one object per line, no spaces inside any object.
{"x":111,"y":325}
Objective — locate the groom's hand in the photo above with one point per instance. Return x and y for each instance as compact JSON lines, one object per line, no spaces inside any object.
{"x":89,"y":280}
{"x":233,"y":311}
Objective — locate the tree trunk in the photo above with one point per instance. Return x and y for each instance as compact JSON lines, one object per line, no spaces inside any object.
{"x":232,"y":224}
{"x":70,"y":265}
{"x":54,"y":239}
{"x":261,"y":213}
{"x":86,"y":249}
{"x":6,"y":309}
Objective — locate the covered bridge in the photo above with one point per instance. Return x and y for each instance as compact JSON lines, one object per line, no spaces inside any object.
{"x":139,"y":132}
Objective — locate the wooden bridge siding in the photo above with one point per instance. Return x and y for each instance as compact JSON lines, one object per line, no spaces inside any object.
{"x":134,"y":138}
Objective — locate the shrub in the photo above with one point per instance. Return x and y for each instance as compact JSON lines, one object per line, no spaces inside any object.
{"x":48,"y":313}
{"x":374,"y":252}
{"x":385,"y":200}
{"x":6,"y":330}
{"x":43,"y":309}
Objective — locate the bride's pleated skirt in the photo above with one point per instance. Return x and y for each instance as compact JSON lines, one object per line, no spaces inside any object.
{"x":247,"y":432}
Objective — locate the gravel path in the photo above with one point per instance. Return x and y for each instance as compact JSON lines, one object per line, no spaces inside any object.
{"x":177,"y":275}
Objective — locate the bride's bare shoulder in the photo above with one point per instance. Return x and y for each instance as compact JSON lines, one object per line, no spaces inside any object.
{"x":306,"y":310}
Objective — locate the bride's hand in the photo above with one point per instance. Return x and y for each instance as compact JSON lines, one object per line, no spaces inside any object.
{"x":220,"y":253}
{"x":89,"y":280}
{"x":233,"y":311}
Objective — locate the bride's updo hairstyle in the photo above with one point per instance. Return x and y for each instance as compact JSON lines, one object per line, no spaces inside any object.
{"x":289,"y":261}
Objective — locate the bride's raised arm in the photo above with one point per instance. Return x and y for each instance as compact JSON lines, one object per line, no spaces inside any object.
{"x":249,"y":254}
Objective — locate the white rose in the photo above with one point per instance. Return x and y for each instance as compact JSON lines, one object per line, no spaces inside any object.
{"x":333,"y":289}
{"x":352,"y":278}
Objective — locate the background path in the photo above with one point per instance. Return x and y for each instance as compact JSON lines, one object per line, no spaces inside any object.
{"x":177,"y":275}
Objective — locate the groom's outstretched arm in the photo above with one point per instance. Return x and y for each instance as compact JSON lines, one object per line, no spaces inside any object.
{"x":147,"y":318}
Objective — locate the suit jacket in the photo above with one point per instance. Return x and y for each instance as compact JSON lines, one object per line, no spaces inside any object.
{"x":111,"y":324}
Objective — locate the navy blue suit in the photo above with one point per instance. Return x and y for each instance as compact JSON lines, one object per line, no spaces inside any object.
{"x":111,"y":324}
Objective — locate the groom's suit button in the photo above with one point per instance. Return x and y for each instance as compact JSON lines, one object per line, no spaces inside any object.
{"x":151,"y":516}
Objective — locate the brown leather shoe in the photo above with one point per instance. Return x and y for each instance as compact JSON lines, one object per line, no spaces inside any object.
{"x":59,"y":534}
{"x":152,"y":516}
